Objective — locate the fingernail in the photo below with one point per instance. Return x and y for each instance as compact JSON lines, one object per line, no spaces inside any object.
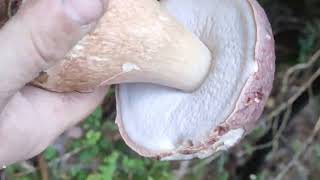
{"x":84,"y":11}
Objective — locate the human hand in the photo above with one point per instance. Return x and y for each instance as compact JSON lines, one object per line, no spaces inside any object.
{"x":37,"y":37}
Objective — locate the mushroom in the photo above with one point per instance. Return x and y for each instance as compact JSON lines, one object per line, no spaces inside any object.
{"x":195,"y":74}
{"x":168,"y":124}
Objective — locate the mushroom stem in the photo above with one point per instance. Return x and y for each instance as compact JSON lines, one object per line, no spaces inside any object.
{"x":135,"y":41}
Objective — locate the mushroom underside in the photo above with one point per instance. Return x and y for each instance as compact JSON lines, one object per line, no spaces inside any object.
{"x":162,"y":122}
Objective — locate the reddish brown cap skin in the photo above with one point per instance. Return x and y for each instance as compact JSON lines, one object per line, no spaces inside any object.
{"x":257,"y":89}
{"x":251,"y":101}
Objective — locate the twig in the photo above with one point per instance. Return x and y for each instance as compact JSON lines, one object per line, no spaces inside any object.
{"x":297,"y":102}
{"x":207,"y":161}
{"x":297,"y":156}
{"x":43,"y":167}
{"x":183,"y":170}
{"x":28,"y":169}
{"x":293,"y":98}
{"x":284,"y":123}
{"x":2,"y":175}
{"x":285,"y":83}
{"x":65,"y":157}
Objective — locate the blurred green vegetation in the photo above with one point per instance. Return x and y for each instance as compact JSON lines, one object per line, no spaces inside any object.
{"x":95,"y":157}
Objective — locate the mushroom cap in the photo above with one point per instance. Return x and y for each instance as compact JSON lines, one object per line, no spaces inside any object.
{"x":168,"y":124}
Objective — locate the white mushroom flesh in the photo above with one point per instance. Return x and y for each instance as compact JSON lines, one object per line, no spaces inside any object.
{"x":161,"y":119}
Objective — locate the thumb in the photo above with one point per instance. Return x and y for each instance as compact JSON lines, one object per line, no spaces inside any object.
{"x":39,"y":35}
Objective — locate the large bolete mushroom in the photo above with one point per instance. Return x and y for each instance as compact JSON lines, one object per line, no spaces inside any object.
{"x":146,"y":41}
{"x":169,"y":124}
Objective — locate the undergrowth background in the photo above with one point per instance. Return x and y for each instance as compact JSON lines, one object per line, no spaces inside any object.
{"x":285,"y":145}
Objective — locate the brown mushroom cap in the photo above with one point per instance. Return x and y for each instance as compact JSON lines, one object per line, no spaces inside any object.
{"x":161,"y":122}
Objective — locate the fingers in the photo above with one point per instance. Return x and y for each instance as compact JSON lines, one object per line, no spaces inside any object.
{"x":39,"y":35}
{"x":34,"y":118}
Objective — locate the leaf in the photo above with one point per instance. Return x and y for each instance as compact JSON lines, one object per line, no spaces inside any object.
{"x":109,"y":166}
{"x":94,"y":120}
{"x":92,"y":137}
{"x":133,"y":165}
{"x":50,"y":153}
{"x":248,"y":148}
{"x":94,"y":177}
{"x":88,"y":154}
{"x":223,"y":176}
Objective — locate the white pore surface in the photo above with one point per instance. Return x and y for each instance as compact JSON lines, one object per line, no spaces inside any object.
{"x":160,"y":118}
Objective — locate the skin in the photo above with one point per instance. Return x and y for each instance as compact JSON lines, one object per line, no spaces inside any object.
{"x":32,"y":41}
